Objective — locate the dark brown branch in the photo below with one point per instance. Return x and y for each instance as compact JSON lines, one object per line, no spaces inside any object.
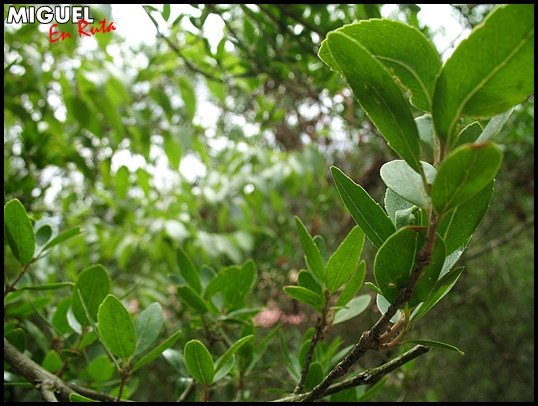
{"x":370,"y":340}
{"x":368,"y":377}
{"x":51,"y":387}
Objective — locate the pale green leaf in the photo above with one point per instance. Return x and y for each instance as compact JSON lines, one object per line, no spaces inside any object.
{"x":401,"y":178}
{"x":355,"y":307}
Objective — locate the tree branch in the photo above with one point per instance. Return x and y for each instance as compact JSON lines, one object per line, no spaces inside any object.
{"x":368,"y":377}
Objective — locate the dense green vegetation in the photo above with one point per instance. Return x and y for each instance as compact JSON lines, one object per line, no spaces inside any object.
{"x":216,"y":204}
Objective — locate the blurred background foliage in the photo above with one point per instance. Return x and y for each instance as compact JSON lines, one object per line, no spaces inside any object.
{"x":216,"y":148}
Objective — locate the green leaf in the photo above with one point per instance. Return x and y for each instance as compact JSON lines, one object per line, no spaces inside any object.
{"x":192,"y":299}
{"x":404,"y":51}
{"x":438,"y":344}
{"x":188,"y":270}
{"x":75,"y":397}
{"x":344,"y":260}
{"x":396,"y":259}
{"x":101,"y":369}
{"x":355,"y":307}
{"x":494,"y":126}
{"x":366,"y":212}
{"x":463,"y":174}
{"x":292,"y":365}
{"x":94,"y":285}
{"x":116,"y":327}
{"x":166,"y":12}
{"x":143,"y":181}
{"x":230,"y":352}
{"x":311,"y":250}
{"x":188,"y":96}
{"x":489,"y":72}
{"x":173,"y":151}
{"x":48,"y":286}
{"x":148,"y":325}
{"x":304,"y":295}
{"x":459,"y":224}
{"x":306,"y":280}
{"x":469,"y":134}
{"x":43,"y":234}
{"x":401,"y":178}
{"x":225,"y":369}
{"x":52,"y":361}
{"x":320,"y":242}
{"x":441,"y":288}
{"x":19,"y":231}
{"x":199,"y":362}
{"x":379,"y":95}
{"x":62,"y":237}
{"x":315,"y":376}
{"x":406,"y":217}
{"x":234,"y":282}
{"x":395,"y":203}
{"x":353,"y":285}
{"x":425,"y":129}
{"x":122,"y":181}
{"x":150,"y":356}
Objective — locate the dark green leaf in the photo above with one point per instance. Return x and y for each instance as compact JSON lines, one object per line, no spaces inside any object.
{"x":463,"y":174}
{"x":489,"y":72}
{"x":188,"y":270}
{"x":438,"y":344}
{"x":344,"y":260}
{"x":199,"y":362}
{"x":442,"y":287}
{"x":150,"y":356}
{"x":377,"y":92}
{"x":404,"y":51}
{"x":315,"y":375}
{"x":230,"y":352}
{"x":94,"y":285}
{"x":353,"y":285}
{"x":311,"y":250}
{"x":116,"y":328}
{"x":19,"y":231}
{"x":191,"y":298}
{"x":304,"y":295}
{"x":306,"y":280}
{"x":148,"y":326}
{"x":366,"y":212}
{"x":62,"y":237}
{"x":459,"y":224}
{"x":396,"y":259}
